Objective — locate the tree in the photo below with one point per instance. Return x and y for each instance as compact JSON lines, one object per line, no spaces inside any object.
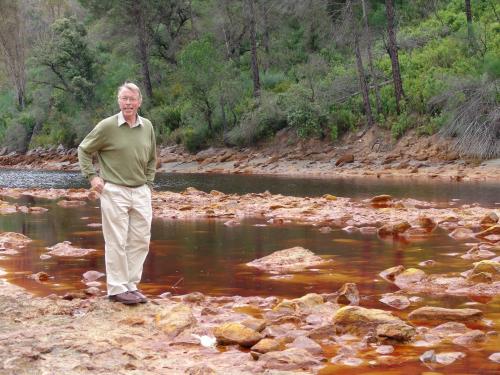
{"x":200,"y":72}
{"x":373,"y":73}
{"x":13,"y":47}
{"x":392,"y":49}
{"x":470,"y":30}
{"x":348,"y":19}
{"x":253,"y":42}
{"x":69,"y":62}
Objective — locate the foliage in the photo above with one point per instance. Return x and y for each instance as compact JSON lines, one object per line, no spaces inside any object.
{"x":196,"y":57}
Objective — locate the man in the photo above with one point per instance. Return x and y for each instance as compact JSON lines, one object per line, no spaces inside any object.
{"x":126,"y":150}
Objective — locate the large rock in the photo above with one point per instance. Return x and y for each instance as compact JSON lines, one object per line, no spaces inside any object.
{"x":289,"y":359}
{"x":11,"y":240}
{"x":175,"y":319}
{"x":391,"y":273}
{"x":495,"y":229}
{"x":409,"y":276}
{"x":361,"y":321}
{"x":288,"y":260}
{"x":65,"y":249}
{"x":236,"y":333}
{"x":304,"y":303}
{"x":441,"y":314}
{"x":348,"y":294}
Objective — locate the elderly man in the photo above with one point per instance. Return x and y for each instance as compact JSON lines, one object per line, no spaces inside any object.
{"x":126,"y":150}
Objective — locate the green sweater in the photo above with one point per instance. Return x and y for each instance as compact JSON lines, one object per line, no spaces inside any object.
{"x":127,"y":156}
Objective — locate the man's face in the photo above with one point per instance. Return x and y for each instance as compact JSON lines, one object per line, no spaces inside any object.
{"x":129,"y":102}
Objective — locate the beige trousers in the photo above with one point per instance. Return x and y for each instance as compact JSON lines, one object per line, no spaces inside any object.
{"x":126,"y":226}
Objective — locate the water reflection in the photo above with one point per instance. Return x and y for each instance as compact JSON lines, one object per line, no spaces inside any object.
{"x":207,"y":256}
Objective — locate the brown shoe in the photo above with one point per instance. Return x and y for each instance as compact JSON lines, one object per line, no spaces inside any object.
{"x":142,"y":297}
{"x":127,"y":298}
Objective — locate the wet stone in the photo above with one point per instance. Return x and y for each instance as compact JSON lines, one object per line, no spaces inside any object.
{"x":396,"y":301}
{"x":430,"y":313}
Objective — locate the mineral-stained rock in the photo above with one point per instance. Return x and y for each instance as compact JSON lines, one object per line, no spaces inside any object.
{"x":174,"y":319}
{"x":360,"y":321}
{"x":469,"y":338}
{"x":267,"y":345}
{"x":489,"y":219}
{"x":396,"y":301}
{"x":409,"y":276}
{"x":495,"y":357}
{"x":303,"y":342}
{"x":90,"y":276}
{"x":381,"y":201}
{"x":236,"y":333}
{"x":194,"y":297}
{"x":448,"y":358}
{"x":288,"y":260}
{"x":393,"y":229}
{"x":304,"y":303}
{"x":476,"y":253}
{"x":39,"y":276}
{"x":385,"y":349}
{"x":462,"y":234}
{"x":426,"y":222}
{"x":13,"y":240}
{"x":289,"y":359}
{"x":65,"y":249}
{"x":348,"y":294}
{"x":489,"y":266}
{"x":391,"y":273}
{"x":255,"y":324}
{"x":431,"y":313}
{"x":480,"y":277}
{"x":494,"y":229}
{"x":344,"y":159}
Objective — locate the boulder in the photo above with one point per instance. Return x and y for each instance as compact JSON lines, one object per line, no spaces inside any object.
{"x":381,"y":201}
{"x":396,"y":301}
{"x":175,"y":319}
{"x":288,"y":260}
{"x":462,"y":234}
{"x":361,"y":321}
{"x":441,"y":314}
{"x":65,"y":249}
{"x":409,"y":276}
{"x":236,"y":333}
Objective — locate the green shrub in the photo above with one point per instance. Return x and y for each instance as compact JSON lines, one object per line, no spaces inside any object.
{"x":261,"y":120}
{"x":194,"y":138}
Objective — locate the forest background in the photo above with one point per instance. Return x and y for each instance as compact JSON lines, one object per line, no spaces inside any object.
{"x":235,"y":72}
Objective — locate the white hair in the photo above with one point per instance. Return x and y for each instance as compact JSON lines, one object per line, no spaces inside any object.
{"x":132,"y":87}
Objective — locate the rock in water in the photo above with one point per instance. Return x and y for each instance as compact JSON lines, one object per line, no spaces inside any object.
{"x":361,"y":321}
{"x":431,"y":313}
{"x":288,"y":260}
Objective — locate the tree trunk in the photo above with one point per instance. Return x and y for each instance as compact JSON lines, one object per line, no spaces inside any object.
{"x":470,"y":30}
{"x":142,"y":47}
{"x":363,"y":86}
{"x":393,"y":53}
{"x":253,"y":42}
{"x":378,"y":102}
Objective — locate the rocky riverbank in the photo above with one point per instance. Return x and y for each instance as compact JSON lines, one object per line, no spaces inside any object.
{"x":84,"y":333}
{"x":371,"y":153}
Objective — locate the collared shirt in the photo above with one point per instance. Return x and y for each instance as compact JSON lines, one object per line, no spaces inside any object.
{"x":121,"y":120}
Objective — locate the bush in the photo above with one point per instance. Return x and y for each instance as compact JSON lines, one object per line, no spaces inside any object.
{"x":165,"y":120}
{"x":194,"y":138}
{"x":259,"y":121}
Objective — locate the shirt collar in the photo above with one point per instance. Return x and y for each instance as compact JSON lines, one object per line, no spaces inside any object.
{"x":121,"y":120}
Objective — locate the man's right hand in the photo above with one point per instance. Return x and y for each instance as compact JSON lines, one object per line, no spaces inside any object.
{"x":97,"y":184}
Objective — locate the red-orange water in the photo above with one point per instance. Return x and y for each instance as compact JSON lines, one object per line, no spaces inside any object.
{"x":206,"y":256}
